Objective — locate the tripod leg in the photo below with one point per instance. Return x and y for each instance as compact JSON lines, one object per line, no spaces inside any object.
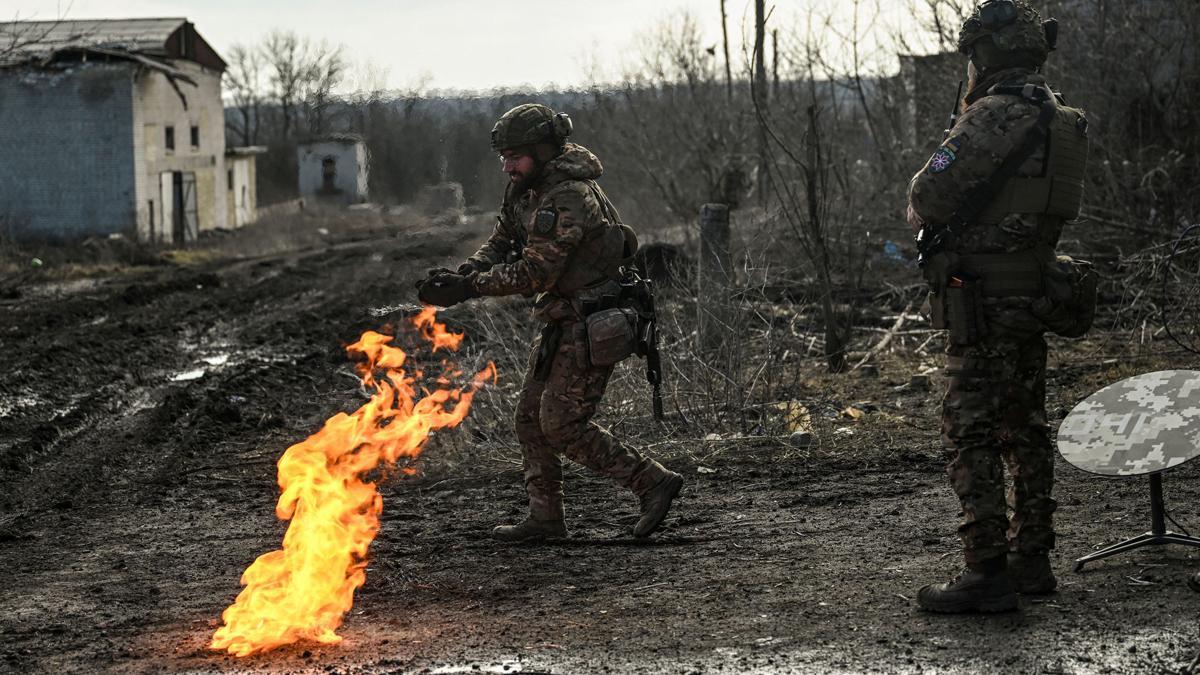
{"x":1181,"y":539}
{"x":1127,"y":545}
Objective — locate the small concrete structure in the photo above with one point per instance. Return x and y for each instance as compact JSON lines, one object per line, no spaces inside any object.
{"x":240,"y":175}
{"x":334,"y":169}
{"x":113,"y":126}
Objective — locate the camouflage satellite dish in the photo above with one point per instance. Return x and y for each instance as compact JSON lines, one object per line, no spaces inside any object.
{"x":1145,"y":424}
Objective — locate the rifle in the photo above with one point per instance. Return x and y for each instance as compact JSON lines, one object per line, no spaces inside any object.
{"x":643,"y":293}
{"x":928,"y":244}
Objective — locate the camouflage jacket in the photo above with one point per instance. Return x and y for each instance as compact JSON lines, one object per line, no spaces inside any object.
{"x":989,"y":129}
{"x":561,"y":229}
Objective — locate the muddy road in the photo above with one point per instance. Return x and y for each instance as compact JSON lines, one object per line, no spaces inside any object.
{"x":142,"y":411}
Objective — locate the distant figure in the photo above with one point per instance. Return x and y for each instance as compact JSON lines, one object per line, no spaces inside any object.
{"x":559,"y":236}
{"x":989,"y":206}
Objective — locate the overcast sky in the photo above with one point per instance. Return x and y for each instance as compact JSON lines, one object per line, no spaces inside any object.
{"x":447,"y":44}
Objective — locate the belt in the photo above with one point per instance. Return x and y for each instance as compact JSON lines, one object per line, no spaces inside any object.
{"x":1006,"y":274}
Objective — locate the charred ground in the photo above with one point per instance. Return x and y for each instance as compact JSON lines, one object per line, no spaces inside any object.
{"x":132,"y":497}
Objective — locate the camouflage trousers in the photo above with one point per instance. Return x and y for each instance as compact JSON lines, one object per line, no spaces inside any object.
{"x":994,"y":413}
{"x":554,"y":419}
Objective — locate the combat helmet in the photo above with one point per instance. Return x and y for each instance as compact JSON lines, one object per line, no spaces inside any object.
{"x":529,"y":124}
{"x":1006,"y":34}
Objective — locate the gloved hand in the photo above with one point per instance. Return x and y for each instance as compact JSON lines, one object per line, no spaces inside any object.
{"x":447,"y":289}
{"x":431,"y":273}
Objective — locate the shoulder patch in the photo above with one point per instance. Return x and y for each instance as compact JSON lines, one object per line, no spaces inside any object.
{"x":944,"y":156}
{"x":544,"y":221}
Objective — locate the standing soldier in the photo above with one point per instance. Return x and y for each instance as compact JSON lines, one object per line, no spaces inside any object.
{"x":989,"y":206}
{"x":558,"y":236}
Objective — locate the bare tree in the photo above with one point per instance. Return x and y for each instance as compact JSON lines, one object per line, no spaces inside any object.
{"x":325,"y":70}
{"x":673,"y":120}
{"x":725,"y":44}
{"x":243,"y":83}
{"x":20,"y":35}
{"x":287,"y":56}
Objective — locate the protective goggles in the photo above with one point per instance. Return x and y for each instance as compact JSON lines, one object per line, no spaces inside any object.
{"x":993,"y":15}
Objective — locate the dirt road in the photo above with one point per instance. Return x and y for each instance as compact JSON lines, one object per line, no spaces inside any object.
{"x":141,"y":414}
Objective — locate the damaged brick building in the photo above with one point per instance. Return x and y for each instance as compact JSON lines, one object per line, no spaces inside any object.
{"x":116,"y":127}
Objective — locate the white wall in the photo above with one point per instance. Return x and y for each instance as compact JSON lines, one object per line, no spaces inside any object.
{"x":156,"y":105}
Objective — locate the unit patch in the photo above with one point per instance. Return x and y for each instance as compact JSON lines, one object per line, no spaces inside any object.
{"x":544,"y":220}
{"x":945,"y":156}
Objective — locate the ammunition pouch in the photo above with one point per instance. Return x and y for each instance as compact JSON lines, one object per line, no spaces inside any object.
{"x":611,"y":336}
{"x":959,"y":284}
{"x":1063,"y":291}
{"x":1068,"y":306}
{"x":964,"y":312}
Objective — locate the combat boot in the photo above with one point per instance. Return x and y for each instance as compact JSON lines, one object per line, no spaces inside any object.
{"x":530,"y":530}
{"x":656,"y":502}
{"x":1031,"y":574}
{"x":984,"y":587}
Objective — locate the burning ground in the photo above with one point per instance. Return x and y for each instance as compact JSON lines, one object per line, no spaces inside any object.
{"x":143,"y":410}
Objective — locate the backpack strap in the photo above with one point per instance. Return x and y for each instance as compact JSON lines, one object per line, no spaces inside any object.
{"x":978,"y":199}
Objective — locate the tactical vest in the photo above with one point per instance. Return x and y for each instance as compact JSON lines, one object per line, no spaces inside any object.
{"x":603,"y":251}
{"x":1059,"y":190}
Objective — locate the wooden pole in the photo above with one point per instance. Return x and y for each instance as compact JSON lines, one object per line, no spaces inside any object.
{"x":714,"y":274}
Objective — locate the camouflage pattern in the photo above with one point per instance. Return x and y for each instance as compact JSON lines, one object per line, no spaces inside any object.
{"x":1023,"y":42}
{"x":527,"y":124}
{"x":1139,"y":425}
{"x":559,"y":238}
{"x":993,"y":412}
{"x":554,"y":417}
{"x":988,"y":130}
{"x":551,"y":260}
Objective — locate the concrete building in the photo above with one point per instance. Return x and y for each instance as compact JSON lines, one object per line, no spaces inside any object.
{"x":242,"y":198}
{"x":334,"y":169}
{"x":116,"y":126}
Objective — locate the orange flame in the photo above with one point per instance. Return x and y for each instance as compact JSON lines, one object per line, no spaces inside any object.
{"x":303,"y":591}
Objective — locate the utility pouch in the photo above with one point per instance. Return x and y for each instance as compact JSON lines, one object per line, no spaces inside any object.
{"x":935,"y":307}
{"x":1069,"y":305}
{"x":547,"y":349}
{"x":938,"y":268}
{"x":611,"y":336}
{"x":963,"y":307}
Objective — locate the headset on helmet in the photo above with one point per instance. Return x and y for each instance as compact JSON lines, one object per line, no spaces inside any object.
{"x":529,"y":124}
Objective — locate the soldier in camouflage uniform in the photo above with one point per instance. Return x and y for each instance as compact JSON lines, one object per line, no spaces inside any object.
{"x":992,"y":264}
{"x":558,"y":237}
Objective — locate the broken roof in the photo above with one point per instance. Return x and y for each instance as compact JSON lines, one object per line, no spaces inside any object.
{"x":158,"y":38}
